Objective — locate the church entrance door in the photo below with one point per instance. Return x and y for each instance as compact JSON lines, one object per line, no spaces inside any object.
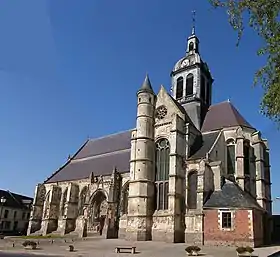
{"x":97,"y":213}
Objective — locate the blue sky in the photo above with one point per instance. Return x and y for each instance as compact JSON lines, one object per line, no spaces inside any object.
{"x":70,"y":69}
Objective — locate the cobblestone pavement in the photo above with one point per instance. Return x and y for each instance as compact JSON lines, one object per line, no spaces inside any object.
{"x":99,"y":247}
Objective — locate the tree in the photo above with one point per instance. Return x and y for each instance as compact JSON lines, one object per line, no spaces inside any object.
{"x":264,"y":18}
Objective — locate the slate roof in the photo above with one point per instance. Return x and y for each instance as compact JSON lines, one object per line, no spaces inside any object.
{"x":99,"y":156}
{"x":146,"y":86}
{"x":203,"y":145}
{"x":231,"y":196}
{"x":223,"y":115}
{"x":15,"y":200}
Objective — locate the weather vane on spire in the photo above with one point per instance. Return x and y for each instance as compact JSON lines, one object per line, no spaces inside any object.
{"x":193,"y":21}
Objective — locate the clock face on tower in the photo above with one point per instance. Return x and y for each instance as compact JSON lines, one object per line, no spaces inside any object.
{"x":185,"y":63}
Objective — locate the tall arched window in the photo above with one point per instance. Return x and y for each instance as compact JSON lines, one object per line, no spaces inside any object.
{"x":192,"y":190}
{"x":63,"y":202}
{"x":230,"y":156}
{"x":179,"y":89}
{"x":246,"y":152}
{"x":191,"y":46}
{"x":124,"y":200}
{"x":82,"y":201}
{"x":189,"y":85}
{"x":162,"y":173}
{"x":202,"y":88}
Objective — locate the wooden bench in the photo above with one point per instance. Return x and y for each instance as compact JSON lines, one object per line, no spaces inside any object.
{"x":131,"y":249}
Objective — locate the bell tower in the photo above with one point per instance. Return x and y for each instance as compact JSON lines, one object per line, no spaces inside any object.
{"x":192,"y":81}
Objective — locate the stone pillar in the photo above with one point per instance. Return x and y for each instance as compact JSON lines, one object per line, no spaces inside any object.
{"x":259,"y":164}
{"x":51,"y":211}
{"x":194,"y":217}
{"x":239,"y":169}
{"x":112,"y":219}
{"x":141,"y":186}
{"x":176,"y":199}
{"x":216,"y":167}
{"x":37,"y":209}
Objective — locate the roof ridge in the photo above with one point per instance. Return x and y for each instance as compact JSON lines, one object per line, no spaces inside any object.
{"x":67,"y":162}
{"x":106,"y":136}
{"x":100,"y":155}
{"x":11,"y":194}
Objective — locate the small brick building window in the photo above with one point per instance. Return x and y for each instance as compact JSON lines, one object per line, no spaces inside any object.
{"x":226,"y":220}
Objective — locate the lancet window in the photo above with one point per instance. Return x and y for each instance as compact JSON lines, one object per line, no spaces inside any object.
{"x":162,"y":173}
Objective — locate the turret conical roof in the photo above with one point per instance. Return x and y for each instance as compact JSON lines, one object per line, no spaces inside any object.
{"x":146,"y":86}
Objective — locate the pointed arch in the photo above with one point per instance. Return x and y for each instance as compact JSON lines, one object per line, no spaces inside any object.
{"x":124,"y":199}
{"x":179,"y":87}
{"x":191,"y":46}
{"x":192,"y":190}
{"x":47,"y":203}
{"x":230,"y":156}
{"x":162,"y":173}
{"x":63,"y":202}
{"x":189,"y":84}
{"x":82,"y":200}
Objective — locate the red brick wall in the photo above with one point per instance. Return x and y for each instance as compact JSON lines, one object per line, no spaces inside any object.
{"x":239,"y":235}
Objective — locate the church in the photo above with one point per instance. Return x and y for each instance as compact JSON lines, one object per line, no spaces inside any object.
{"x":190,"y":171}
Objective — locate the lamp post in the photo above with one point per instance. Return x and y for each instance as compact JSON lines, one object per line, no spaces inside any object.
{"x":2,"y":200}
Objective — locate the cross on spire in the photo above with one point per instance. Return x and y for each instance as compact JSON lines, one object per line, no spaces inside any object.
{"x":193,"y":22}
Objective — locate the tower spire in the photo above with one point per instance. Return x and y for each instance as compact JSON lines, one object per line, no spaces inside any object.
{"x":193,"y":22}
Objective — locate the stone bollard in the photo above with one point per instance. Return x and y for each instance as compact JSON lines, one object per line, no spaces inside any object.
{"x":71,"y":248}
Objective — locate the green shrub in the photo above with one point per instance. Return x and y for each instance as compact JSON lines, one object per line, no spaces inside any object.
{"x":241,"y":249}
{"x":29,"y":243}
{"x":192,"y":248}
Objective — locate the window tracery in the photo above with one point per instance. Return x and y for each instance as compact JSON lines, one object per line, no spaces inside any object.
{"x":162,"y":174}
{"x":230,"y":156}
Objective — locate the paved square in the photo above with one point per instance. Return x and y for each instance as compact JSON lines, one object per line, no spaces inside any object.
{"x":99,"y":247}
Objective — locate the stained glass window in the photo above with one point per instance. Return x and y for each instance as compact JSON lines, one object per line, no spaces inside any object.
{"x":162,"y":173}
{"x":230,"y":157}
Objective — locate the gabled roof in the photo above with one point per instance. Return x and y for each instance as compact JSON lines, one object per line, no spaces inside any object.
{"x":223,"y":115}
{"x":99,"y":156}
{"x":15,"y":200}
{"x":203,"y":144}
{"x":231,"y":196}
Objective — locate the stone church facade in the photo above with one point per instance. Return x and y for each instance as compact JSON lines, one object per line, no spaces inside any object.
{"x":189,"y":172}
